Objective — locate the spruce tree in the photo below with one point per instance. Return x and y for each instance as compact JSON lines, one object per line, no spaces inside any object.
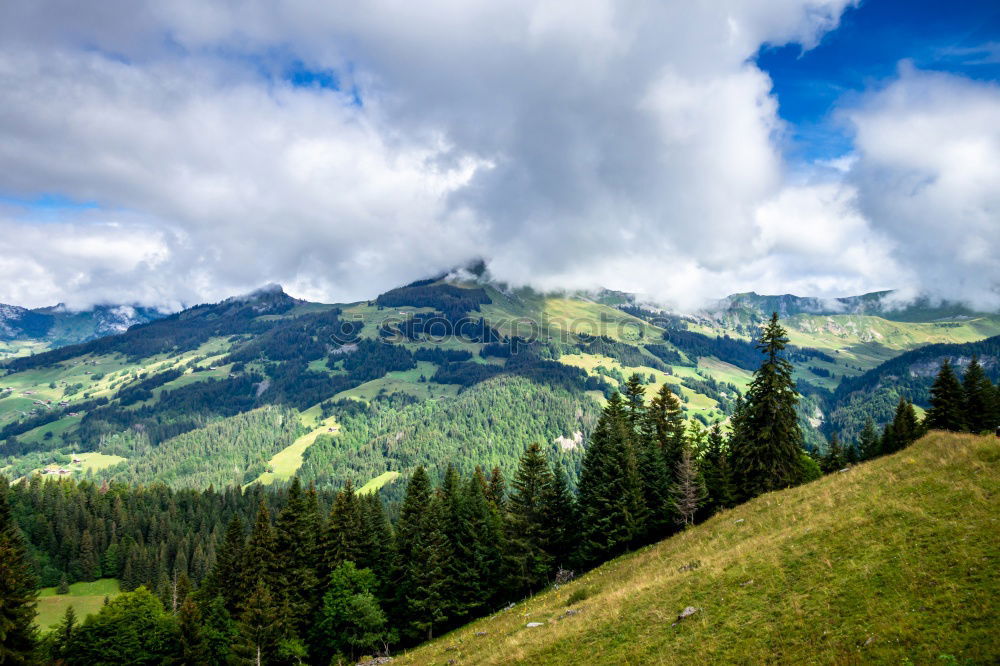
{"x":225,"y":579}
{"x":717,"y":473}
{"x":468,"y":591}
{"x":193,"y":648}
{"x":488,"y":540}
{"x":344,"y":531}
{"x":376,"y":538}
{"x":635,"y":402}
{"x":497,"y":490}
{"x":947,"y":411}
{"x":17,"y":589}
{"x":665,"y":426}
{"x":869,"y":445}
{"x":611,"y":503}
{"x":261,"y":626}
{"x":529,"y":561}
{"x":835,"y":457}
{"x":903,"y":430}
{"x":688,"y":492}
{"x":416,"y":505}
{"x":430,"y":599}
{"x":979,"y":401}
{"x":296,"y":530}
{"x":559,"y":519}
{"x":767,"y":446}
{"x":259,"y":554}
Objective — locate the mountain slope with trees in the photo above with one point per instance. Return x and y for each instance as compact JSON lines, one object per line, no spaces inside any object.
{"x":844,"y":569}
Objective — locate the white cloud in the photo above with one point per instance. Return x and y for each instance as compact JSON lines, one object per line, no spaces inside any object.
{"x":927,"y":176}
{"x":630,"y":145}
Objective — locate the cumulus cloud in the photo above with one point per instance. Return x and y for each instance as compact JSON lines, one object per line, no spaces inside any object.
{"x":927,"y":175}
{"x":628,"y":145}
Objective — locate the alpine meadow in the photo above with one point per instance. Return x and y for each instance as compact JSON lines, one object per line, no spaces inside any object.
{"x":521,"y":333}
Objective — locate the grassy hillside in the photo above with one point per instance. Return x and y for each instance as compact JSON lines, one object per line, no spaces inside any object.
{"x":894,"y":561}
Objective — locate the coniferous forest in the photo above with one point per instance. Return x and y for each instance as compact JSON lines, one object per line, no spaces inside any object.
{"x":300,"y":575}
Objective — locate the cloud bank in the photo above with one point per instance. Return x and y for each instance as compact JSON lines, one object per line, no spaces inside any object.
{"x":343,"y":151}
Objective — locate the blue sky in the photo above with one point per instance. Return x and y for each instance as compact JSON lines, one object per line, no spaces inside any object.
{"x":961,"y":37}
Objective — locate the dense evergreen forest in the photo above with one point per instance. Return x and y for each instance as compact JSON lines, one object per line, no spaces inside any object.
{"x":397,"y":432}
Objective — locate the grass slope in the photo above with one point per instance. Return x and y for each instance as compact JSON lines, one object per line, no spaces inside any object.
{"x":85,"y":598}
{"x":893,"y":561}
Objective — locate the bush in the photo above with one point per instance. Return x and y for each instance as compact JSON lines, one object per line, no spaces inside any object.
{"x":578,"y":595}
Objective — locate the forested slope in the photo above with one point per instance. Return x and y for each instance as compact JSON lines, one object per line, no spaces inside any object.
{"x":893,"y":561}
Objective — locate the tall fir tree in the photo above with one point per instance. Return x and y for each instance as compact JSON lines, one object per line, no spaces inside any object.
{"x":344,"y":531}
{"x":296,"y":529}
{"x":979,"y":399}
{"x":225,"y":580}
{"x":530,"y":563}
{"x":947,"y":410}
{"x":869,"y":444}
{"x":17,"y":589}
{"x":193,"y":648}
{"x":431,"y":598}
{"x":767,"y":446}
{"x":665,"y":426}
{"x":835,"y":457}
{"x":717,"y":473}
{"x":688,"y":492}
{"x":903,"y":430}
{"x":416,"y":505}
{"x":610,"y":499}
{"x":560,"y":519}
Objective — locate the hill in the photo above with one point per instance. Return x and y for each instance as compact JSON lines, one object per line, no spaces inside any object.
{"x":892,"y":561}
{"x":436,"y":346}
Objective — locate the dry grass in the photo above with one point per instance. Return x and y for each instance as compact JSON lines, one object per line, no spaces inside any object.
{"x":893,"y":561}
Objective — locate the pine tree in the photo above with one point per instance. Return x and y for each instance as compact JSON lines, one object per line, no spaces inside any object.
{"x":529,"y":561}
{"x":559,"y":517}
{"x":904,"y":429}
{"x":611,"y":503}
{"x":431,"y":599}
{"x":688,"y":492}
{"x":486,"y":526}
{"x":259,"y":564}
{"x":947,"y":411}
{"x":835,"y":457}
{"x":193,"y":648}
{"x":635,"y":401}
{"x":767,"y":442}
{"x":979,"y":399}
{"x":343,"y":539}
{"x":63,"y":635}
{"x":261,"y":627}
{"x":412,"y":520}
{"x":718,"y":476}
{"x":296,"y":529}
{"x":869,"y":445}
{"x":665,"y":426}
{"x":225,"y":579}
{"x":497,"y":491}
{"x":17,"y":589}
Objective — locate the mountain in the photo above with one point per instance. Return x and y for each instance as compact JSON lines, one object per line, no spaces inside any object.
{"x":25,"y":331}
{"x":428,"y":373}
{"x":874,"y":394}
{"x":889,"y":562}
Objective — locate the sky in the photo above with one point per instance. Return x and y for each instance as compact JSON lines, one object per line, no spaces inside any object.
{"x":167,"y":154}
